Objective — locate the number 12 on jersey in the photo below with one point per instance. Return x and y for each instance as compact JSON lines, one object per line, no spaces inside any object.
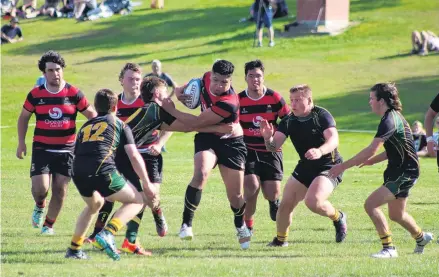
{"x":97,"y":130}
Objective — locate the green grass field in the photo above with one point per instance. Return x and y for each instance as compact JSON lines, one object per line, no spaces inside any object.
{"x":187,"y":37}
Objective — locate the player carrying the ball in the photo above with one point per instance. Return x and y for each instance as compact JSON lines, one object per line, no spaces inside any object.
{"x":219,"y":104}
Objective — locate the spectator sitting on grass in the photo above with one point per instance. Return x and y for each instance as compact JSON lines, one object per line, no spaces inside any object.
{"x":424,"y":42}
{"x":10,"y":31}
{"x":420,"y":139}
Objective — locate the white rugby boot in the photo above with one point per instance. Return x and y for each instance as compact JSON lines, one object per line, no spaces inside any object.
{"x":186,"y":232}
{"x":244,"y":236}
{"x":386,"y":253}
{"x":419,"y":249}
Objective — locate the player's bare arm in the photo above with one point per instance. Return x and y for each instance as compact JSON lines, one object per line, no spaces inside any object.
{"x":89,"y":113}
{"x":331,"y":143}
{"x":272,"y":142}
{"x":358,"y":159}
{"x":178,"y":126}
{"x":428,"y":123}
{"x":156,"y":148}
{"x":139,"y":167}
{"x":206,"y":118}
{"x":22,"y":125}
{"x":375,"y":159}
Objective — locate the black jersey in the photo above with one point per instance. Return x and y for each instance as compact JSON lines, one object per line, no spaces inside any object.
{"x":398,"y":141}
{"x":145,"y":123}
{"x":307,"y":132}
{"x":435,"y":104}
{"x":97,"y":142}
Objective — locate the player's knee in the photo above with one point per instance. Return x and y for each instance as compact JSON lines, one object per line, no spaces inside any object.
{"x":200,"y":177}
{"x":138,"y":198}
{"x":313,"y":204}
{"x":396,"y":216}
{"x":369,"y":207}
{"x":59,"y":192}
{"x":286,"y":207}
{"x":96,"y":205}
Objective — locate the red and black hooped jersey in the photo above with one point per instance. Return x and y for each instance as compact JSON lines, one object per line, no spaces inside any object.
{"x":270,"y":106}
{"x":55,"y":116}
{"x":126,"y":110}
{"x":225,"y":105}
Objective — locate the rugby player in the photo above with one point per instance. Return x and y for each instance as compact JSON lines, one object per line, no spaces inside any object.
{"x":95,"y":175}
{"x":314,"y":136}
{"x":263,"y":169}
{"x":55,"y":105}
{"x":400,"y":175}
{"x":219,"y":104}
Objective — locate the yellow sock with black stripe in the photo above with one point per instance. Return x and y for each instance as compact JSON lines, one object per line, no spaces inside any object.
{"x":336,"y":216}
{"x":418,"y":236}
{"x":282,"y":236}
{"x":114,"y":225}
{"x":76,"y":242}
{"x":386,"y":240}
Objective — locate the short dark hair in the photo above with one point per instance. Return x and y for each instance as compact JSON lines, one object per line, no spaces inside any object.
{"x":130,"y":66}
{"x":148,"y":85}
{"x":389,"y":93}
{"x":253,"y":65}
{"x":105,"y":101}
{"x":223,"y":67}
{"x":51,"y":57}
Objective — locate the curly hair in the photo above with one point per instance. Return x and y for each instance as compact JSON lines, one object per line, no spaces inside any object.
{"x":223,"y":67}
{"x":130,"y":66}
{"x":51,"y":57}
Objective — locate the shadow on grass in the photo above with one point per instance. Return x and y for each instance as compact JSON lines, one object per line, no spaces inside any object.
{"x":352,"y":111}
{"x":407,"y":54}
{"x":146,"y":28}
{"x":171,"y":59}
{"x":362,"y":6}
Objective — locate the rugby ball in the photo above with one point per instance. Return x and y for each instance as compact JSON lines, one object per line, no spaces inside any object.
{"x":193,"y":89}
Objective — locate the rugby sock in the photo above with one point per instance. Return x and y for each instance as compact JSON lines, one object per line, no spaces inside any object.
{"x":386,"y":241}
{"x":77,"y":242}
{"x":133,"y":227}
{"x":249,"y":223}
{"x":49,"y":222}
{"x":191,"y":201}
{"x":104,"y":212}
{"x":114,"y":226}
{"x":239,"y":216}
{"x":282,"y":237}
{"x":156,"y":210}
{"x":418,"y":236}
{"x":41,"y":204}
{"x":336,"y":216}
{"x":274,"y":204}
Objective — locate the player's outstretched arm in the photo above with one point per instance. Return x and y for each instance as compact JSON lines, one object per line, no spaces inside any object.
{"x":206,"y":118}
{"x":428,"y":124}
{"x":358,"y":159}
{"x":272,"y":141}
{"x":22,"y":125}
{"x":375,"y":159}
{"x":178,"y":126}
